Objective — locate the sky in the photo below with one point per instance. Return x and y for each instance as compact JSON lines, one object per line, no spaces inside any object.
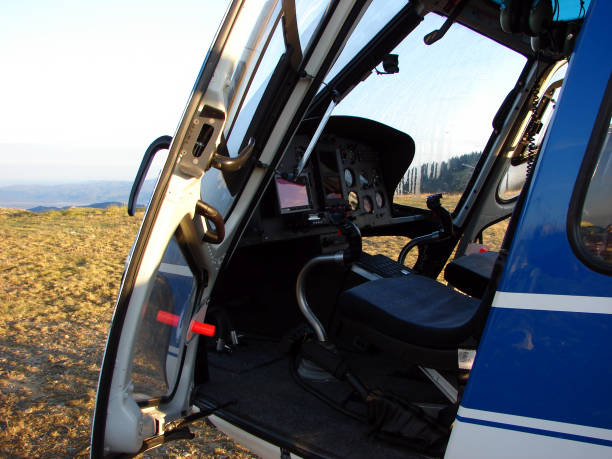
{"x":445,"y":96}
{"x":86,"y":85}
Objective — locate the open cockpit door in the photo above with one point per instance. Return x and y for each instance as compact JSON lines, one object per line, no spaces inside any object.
{"x":140,"y":388}
{"x":266,"y":65}
{"x":147,"y":371}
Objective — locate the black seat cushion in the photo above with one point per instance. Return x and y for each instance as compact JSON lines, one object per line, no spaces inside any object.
{"x":414,"y":309}
{"x":471,"y":273}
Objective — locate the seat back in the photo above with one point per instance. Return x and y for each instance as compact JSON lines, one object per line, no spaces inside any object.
{"x":471,"y":273}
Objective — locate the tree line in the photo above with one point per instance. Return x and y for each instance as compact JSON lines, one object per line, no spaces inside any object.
{"x":449,"y":176}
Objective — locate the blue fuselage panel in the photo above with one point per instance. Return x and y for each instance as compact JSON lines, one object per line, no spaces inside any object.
{"x":552,"y":361}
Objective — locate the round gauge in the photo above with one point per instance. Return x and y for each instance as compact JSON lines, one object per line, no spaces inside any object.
{"x":353,"y":200}
{"x":380,"y":199}
{"x":349,"y":178}
{"x":348,"y":154}
{"x":376,"y":178}
{"x":367,"y":204}
{"x":363,"y":179}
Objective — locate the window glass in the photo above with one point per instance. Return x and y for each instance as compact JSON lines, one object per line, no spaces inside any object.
{"x":256,"y":91}
{"x":596,"y":215}
{"x":308,"y":14}
{"x":529,"y":141}
{"x":445,"y":97}
{"x":214,"y":189}
{"x":159,"y":342}
{"x":376,"y":16}
{"x":243,"y":50}
{"x":512,"y":182}
{"x":493,"y":236}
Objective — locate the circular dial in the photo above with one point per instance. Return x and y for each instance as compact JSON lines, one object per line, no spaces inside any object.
{"x":348,"y":154}
{"x":363,"y":179}
{"x":380,"y":199}
{"x":349,"y":178}
{"x":375,"y":177}
{"x":367,"y":204}
{"x":353,"y":200}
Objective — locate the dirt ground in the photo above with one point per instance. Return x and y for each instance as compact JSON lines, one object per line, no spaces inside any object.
{"x":59,"y":276}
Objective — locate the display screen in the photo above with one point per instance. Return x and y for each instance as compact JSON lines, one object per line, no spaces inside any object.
{"x":333,"y":187}
{"x":292,"y":196}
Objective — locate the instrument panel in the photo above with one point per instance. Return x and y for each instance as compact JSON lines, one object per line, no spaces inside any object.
{"x":363,"y":181}
{"x":352,"y":171}
{"x":341,"y":176}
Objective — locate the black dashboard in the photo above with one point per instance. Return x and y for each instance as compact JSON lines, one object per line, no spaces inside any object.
{"x":353,"y":170}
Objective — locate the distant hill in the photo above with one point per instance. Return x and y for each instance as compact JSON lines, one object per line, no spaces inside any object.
{"x":72,"y":194}
{"x":96,"y":205}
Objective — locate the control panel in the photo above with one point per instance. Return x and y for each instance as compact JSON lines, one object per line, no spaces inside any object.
{"x":351,"y":172}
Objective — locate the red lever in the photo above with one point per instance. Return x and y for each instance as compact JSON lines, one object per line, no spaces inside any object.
{"x":196,"y":327}
{"x":167,"y":318}
{"x":203,"y":329}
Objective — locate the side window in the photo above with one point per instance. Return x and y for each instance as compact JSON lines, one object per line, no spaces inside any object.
{"x":596,"y":219}
{"x":159,"y":342}
{"x":590,"y":221}
{"x":528,"y":143}
{"x":214,"y":188}
{"x":308,"y":15}
{"x":512,"y":182}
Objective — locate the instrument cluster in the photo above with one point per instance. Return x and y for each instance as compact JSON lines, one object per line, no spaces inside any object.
{"x":353,"y":169}
{"x":340,"y":174}
{"x":363,"y":181}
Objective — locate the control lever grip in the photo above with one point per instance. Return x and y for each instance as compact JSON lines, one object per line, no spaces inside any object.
{"x":353,"y":237}
{"x":446,"y":221}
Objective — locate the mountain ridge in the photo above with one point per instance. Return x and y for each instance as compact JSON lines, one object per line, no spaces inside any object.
{"x":80,"y":194}
{"x":95,"y":205}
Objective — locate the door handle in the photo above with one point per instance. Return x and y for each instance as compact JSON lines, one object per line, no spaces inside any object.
{"x":161,"y":143}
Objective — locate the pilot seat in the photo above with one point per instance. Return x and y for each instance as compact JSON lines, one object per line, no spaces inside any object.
{"x":418,"y":319}
{"x":415,"y":317}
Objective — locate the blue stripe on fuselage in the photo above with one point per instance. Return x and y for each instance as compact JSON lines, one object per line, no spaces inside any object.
{"x":548,"y":433}
{"x":545,"y":364}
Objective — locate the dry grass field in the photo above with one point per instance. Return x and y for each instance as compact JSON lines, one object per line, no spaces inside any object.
{"x":59,"y":276}
{"x":391,"y":245}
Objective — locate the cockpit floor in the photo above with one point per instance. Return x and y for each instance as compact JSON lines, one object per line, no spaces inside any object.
{"x":257,"y":382}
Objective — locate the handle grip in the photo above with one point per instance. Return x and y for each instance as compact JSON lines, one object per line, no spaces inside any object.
{"x":212,"y":214}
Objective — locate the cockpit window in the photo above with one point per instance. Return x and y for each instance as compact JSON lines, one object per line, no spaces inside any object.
{"x":159,"y":342}
{"x":376,"y":16}
{"x":590,"y":221}
{"x":445,"y":97}
{"x":252,"y":73}
{"x":247,"y":87}
{"x":308,"y":15}
{"x":529,"y":140}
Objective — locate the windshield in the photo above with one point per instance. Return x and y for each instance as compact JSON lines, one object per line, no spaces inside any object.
{"x":378,"y":14}
{"x":445,"y":97}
